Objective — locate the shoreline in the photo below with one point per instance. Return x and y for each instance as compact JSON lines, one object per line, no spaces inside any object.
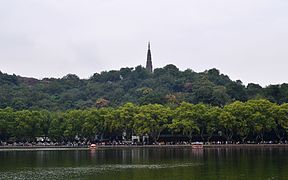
{"x":206,"y":146}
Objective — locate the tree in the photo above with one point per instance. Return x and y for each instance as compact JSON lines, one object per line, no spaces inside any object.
{"x":203,"y":92}
{"x":236,"y":91}
{"x":228,"y":124}
{"x":262,"y":117}
{"x":199,"y":115}
{"x":57,"y":127}
{"x":212,"y":121}
{"x":73,"y":120}
{"x":101,"y":103}
{"x":254,"y":91}
{"x":220,"y":97}
{"x":126,"y":116}
{"x":242,"y":114}
{"x":281,"y":120}
{"x":27,"y":125}
{"x":6,"y":123}
{"x":152,"y":119}
{"x":45,"y":120}
{"x":94,"y":123}
{"x":184,"y":120}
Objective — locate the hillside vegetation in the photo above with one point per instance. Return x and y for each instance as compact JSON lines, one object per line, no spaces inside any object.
{"x":206,"y":106}
{"x":166,"y":86}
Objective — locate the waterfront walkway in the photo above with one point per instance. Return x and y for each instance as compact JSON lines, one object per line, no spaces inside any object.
{"x":206,"y":146}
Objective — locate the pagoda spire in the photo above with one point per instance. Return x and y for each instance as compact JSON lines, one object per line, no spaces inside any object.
{"x":149,"y":59}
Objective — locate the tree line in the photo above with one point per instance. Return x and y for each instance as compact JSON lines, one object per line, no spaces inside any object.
{"x":166,"y":86}
{"x":254,"y":120}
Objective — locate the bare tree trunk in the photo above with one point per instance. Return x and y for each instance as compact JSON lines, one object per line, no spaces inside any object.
{"x":243,"y":138}
{"x":202,"y":135}
{"x":279,"y":135}
{"x":190,"y":136}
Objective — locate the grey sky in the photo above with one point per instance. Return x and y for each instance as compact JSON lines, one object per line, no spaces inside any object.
{"x":245,"y":39}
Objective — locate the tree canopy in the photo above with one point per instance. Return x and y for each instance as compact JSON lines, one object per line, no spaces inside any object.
{"x":254,"y":120}
{"x":167,"y":85}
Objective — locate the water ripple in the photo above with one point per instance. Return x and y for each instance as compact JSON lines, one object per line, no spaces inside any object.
{"x":74,"y":172}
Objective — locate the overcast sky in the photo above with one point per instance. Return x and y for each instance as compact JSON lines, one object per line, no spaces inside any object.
{"x":245,"y":39}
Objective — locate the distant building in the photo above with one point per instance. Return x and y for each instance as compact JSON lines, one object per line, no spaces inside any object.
{"x":149,"y":60}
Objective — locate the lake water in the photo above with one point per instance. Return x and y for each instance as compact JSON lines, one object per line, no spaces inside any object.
{"x":146,"y":163}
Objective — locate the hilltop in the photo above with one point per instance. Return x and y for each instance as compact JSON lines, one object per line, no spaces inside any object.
{"x":167,"y":85}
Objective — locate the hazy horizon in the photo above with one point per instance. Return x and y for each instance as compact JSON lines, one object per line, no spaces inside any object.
{"x":50,"y":38}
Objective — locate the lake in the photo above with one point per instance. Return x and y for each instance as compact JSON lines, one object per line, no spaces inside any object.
{"x":146,"y":163}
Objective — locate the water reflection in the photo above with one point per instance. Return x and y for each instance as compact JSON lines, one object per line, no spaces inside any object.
{"x":146,"y":163}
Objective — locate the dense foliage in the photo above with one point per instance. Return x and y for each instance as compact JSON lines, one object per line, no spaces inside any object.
{"x":166,"y":86}
{"x":254,"y":120}
{"x":169,"y":102}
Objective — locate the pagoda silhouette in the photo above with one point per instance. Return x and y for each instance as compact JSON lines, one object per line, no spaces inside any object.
{"x":149,"y":60}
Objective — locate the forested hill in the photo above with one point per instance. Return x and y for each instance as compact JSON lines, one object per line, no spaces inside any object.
{"x":167,"y":85}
